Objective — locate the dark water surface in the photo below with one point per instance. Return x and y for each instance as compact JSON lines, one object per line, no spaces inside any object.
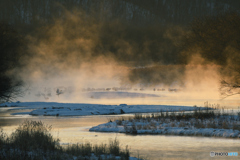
{"x":75,"y":130}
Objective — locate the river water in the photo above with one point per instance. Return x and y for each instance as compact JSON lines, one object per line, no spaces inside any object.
{"x":72,"y":130}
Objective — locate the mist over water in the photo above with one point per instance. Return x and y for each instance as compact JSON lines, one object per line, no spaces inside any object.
{"x":133,"y":52}
{"x":77,"y":56}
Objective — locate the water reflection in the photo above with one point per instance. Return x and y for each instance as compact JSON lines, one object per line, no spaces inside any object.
{"x":75,"y":130}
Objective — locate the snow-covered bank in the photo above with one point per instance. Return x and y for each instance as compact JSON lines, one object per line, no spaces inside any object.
{"x":224,"y":126}
{"x":77,"y":109}
{"x":16,"y":153}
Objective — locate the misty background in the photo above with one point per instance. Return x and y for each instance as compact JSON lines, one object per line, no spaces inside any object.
{"x":65,"y":46}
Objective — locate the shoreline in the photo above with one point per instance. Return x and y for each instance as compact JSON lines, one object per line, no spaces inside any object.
{"x":78,"y":109}
{"x":199,"y":123}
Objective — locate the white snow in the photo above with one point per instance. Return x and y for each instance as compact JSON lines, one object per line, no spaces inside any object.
{"x":78,"y":109}
{"x":168,"y":127}
{"x":49,"y":155}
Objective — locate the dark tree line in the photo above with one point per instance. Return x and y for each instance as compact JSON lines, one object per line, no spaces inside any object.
{"x":217,"y":40}
{"x":138,"y":11}
{"x":214,"y":36}
{"x":11,"y":51}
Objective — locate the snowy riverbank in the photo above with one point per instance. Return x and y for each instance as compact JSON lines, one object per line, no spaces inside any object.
{"x":77,"y":109}
{"x":219,"y":126}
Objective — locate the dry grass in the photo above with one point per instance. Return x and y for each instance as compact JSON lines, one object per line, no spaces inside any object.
{"x":197,"y":119}
{"x":32,"y":140}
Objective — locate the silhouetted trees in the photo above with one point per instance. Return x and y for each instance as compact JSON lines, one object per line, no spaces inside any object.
{"x":213,"y":37}
{"x":217,"y":40}
{"x":137,"y":11}
{"x":11,"y":51}
{"x":141,"y":34}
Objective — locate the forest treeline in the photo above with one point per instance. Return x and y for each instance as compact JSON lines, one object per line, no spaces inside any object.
{"x":107,"y":28}
{"x":180,"y":12}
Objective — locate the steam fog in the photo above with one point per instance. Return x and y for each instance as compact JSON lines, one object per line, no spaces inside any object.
{"x":77,"y":55}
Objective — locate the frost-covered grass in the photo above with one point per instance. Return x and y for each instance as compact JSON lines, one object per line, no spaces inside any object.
{"x":32,"y":140}
{"x":103,"y":150}
{"x":203,"y":123}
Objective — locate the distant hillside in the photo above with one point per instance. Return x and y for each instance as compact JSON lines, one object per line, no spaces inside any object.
{"x":137,"y":11}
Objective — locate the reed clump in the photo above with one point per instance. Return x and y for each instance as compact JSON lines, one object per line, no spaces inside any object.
{"x":208,"y":118}
{"x":33,"y":140}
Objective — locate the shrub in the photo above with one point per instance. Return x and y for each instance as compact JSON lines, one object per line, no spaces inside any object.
{"x":133,"y":129}
{"x":225,"y":125}
{"x":138,"y":116}
{"x":139,"y":127}
{"x":32,"y":140}
{"x":211,"y":124}
{"x":119,"y":122}
{"x":182,"y":124}
{"x":2,"y":137}
{"x":199,"y":124}
{"x":236,"y":126}
{"x":79,"y":149}
{"x":34,"y":135}
{"x":114,"y":147}
{"x":172,"y":124}
{"x":99,"y":150}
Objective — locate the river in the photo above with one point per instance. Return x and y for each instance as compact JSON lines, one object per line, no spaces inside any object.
{"x":72,"y":130}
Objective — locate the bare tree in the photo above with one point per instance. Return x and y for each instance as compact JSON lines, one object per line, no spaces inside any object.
{"x":11,"y":51}
{"x":230,"y":84}
{"x":217,"y":39}
{"x":229,"y":89}
{"x":10,"y":91}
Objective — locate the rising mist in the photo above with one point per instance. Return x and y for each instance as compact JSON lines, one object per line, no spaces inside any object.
{"x":77,"y":50}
